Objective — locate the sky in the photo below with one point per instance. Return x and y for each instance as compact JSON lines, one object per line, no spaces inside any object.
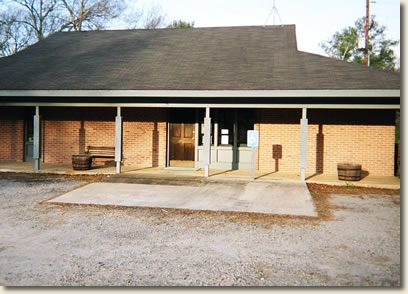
{"x":315,"y":20}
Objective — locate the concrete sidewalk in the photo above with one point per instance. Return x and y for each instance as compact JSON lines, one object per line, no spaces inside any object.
{"x":284,"y":198}
{"x":159,"y":173}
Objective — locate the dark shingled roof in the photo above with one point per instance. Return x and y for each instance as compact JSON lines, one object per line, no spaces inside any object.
{"x":222,"y":58}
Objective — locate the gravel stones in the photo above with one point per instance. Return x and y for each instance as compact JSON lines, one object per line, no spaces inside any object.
{"x":43,"y":244}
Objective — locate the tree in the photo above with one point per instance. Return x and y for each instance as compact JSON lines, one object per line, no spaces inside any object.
{"x":37,"y":16}
{"x":180,"y":24}
{"x":25,"y":22}
{"x":343,"y":45}
{"x":88,"y":15}
{"x":153,"y":18}
{"x":14,"y":36}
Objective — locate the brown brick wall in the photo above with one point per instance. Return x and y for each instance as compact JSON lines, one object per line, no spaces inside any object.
{"x":62,"y":139}
{"x":12,"y":140}
{"x":278,"y":136}
{"x":12,"y":133}
{"x":363,"y":136}
{"x":144,"y":135}
{"x":371,"y":146}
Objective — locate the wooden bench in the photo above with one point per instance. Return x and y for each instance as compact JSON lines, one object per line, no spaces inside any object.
{"x":98,"y":151}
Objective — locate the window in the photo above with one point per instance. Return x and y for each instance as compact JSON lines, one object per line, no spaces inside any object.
{"x":225,"y":135}
{"x":225,"y":120}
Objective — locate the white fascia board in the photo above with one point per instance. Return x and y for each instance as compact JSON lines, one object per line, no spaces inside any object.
{"x":204,"y":105}
{"x":201,"y":93}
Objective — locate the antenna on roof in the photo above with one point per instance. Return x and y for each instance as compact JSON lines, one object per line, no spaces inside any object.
{"x":275,"y":13}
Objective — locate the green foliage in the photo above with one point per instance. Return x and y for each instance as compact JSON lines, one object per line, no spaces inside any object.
{"x":180,"y":24}
{"x":349,"y":185}
{"x":343,"y":45}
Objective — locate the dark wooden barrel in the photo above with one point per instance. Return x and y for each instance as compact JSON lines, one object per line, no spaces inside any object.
{"x":81,"y":162}
{"x":349,"y":171}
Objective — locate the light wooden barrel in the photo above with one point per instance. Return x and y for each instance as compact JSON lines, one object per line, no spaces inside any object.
{"x":349,"y":171}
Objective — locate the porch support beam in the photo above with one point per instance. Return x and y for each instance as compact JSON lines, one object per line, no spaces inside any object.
{"x":303,"y":144}
{"x":196,"y":137}
{"x":37,"y":140}
{"x":207,"y":142}
{"x":211,"y":105}
{"x":215,"y":135}
{"x":118,"y":140}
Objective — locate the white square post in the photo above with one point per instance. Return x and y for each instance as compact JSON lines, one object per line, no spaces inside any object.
{"x":303,"y":144}
{"x":118,"y":140}
{"x":37,"y":140}
{"x":207,"y":142}
{"x":253,"y":142}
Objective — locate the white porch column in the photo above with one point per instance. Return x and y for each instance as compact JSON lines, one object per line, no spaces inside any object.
{"x":215,"y":135}
{"x":207,"y":142}
{"x":303,"y":144}
{"x":118,"y":140}
{"x":37,"y":140}
{"x":196,"y":138}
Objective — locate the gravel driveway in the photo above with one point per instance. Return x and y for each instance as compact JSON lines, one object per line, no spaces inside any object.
{"x":44,"y":244}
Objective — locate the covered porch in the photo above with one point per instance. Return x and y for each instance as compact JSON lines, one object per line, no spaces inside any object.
{"x":300,"y":131}
{"x":184,"y":137}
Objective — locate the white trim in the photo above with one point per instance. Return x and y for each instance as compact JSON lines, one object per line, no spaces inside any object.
{"x":303,"y":144}
{"x":202,"y":93}
{"x":192,"y":105}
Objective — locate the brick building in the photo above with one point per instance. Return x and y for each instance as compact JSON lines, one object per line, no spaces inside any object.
{"x":187,"y":97}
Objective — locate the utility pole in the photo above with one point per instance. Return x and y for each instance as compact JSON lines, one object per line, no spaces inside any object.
{"x":367,"y":24}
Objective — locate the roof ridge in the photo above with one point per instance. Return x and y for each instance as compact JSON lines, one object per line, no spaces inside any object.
{"x":196,"y":28}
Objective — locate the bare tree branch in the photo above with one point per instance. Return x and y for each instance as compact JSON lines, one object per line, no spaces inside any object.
{"x":39,"y":15}
{"x":25,"y":22}
{"x":89,"y":14}
{"x":152,"y":19}
{"x":14,"y":36}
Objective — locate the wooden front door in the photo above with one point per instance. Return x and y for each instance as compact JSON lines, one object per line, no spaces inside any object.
{"x":182,"y":144}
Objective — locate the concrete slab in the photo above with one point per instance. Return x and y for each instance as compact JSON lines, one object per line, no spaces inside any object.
{"x":382,"y":182}
{"x":284,"y":198}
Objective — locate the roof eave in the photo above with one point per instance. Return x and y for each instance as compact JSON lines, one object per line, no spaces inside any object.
{"x":203,"y":93}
